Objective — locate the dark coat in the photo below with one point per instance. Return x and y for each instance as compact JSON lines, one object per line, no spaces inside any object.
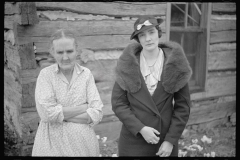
{"x":136,"y":108}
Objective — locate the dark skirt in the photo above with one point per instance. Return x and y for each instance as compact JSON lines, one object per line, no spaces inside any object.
{"x":130,"y":145}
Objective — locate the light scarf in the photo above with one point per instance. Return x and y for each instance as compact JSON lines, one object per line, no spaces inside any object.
{"x":152,"y":74}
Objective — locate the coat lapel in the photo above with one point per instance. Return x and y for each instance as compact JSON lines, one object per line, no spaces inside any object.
{"x":145,"y":98}
{"x":143,"y":94}
{"x":159,"y":94}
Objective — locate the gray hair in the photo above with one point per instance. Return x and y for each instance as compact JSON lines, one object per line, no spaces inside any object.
{"x":62,"y":33}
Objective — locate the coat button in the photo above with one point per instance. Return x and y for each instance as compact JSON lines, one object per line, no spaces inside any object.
{"x":155,"y":115}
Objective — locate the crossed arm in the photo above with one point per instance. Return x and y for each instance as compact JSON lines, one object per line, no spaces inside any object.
{"x":51,"y":111}
{"x":77,"y":114}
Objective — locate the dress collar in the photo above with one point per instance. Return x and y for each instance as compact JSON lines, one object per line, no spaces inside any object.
{"x":157,"y":67}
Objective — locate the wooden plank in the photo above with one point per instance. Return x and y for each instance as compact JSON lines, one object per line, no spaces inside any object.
{"x":224,"y":7}
{"x":24,"y":13}
{"x":223,"y":25}
{"x":80,"y":28}
{"x":100,"y":42}
{"x":168,"y":21}
{"x":222,"y":60}
{"x":32,"y":13}
{"x":222,"y":47}
{"x":223,"y":36}
{"x":106,"y":8}
{"x":27,"y":56}
{"x":11,"y":8}
{"x":222,"y":85}
{"x":211,"y":112}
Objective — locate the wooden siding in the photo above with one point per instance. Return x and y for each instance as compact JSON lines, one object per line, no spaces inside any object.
{"x":107,"y":8}
{"x":222,"y":60}
{"x":223,"y":36}
{"x":95,"y":35}
{"x":224,"y":7}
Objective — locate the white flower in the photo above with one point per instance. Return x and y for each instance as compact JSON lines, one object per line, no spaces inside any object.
{"x":192,"y":149}
{"x":194,"y":141}
{"x":100,"y":155}
{"x":114,"y":155}
{"x":206,"y":155}
{"x":213,"y":154}
{"x":98,"y":137}
{"x":182,"y":153}
{"x":104,"y":145}
{"x":104,"y":139}
{"x":197,"y":146}
{"x":206,"y":139}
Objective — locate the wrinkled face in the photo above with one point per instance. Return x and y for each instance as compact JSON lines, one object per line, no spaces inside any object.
{"x":64,"y":52}
{"x":149,"y":39}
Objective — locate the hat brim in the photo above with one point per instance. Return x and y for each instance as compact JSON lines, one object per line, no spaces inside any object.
{"x":159,"y":20}
{"x":141,"y":30}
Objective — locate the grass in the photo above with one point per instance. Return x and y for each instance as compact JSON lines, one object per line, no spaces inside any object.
{"x":222,"y":143}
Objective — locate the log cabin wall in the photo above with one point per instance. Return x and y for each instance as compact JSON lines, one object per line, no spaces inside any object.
{"x":103,"y":30}
{"x":217,"y":105}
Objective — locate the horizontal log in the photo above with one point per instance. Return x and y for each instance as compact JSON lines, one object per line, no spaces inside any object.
{"x":211,"y":112}
{"x":223,"y":17}
{"x":80,"y":28}
{"x":221,"y":85}
{"x":11,"y":8}
{"x":102,"y":70}
{"x":224,"y":7}
{"x":223,"y":25}
{"x":106,"y":8}
{"x":222,"y":47}
{"x":223,"y":36}
{"x":99,"y":42}
{"x":222,"y":60}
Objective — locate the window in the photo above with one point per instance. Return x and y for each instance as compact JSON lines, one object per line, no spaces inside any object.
{"x":189,"y":27}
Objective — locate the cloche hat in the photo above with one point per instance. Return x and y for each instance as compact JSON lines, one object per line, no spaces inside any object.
{"x":145,"y":22}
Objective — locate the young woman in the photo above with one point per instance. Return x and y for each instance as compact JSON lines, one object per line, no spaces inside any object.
{"x":68,"y":103}
{"x":149,"y":77}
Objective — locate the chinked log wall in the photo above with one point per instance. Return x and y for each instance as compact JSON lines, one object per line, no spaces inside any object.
{"x":218,"y":103}
{"x":103,"y":30}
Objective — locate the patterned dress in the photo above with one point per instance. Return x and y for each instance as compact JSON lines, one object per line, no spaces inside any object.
{"x":54,"y":136}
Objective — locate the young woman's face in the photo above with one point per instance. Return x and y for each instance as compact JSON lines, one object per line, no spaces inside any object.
{"x":149,"y":39}
{"x":64,"y":52}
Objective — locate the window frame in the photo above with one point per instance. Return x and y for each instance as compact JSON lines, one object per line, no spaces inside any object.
{"x":203,"y":40}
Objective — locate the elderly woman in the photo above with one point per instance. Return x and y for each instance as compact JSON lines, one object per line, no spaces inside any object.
{"x":68,"y":103}
{"x":149,"y":76}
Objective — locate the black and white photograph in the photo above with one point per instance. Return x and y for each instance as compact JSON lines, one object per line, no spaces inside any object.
{"x":120,"y":79}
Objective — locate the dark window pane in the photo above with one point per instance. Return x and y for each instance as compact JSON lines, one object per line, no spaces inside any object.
{"x":176,"y":36}
{"x":177,"y":15}
{"x":190,"y":43}
{"x":194,"y":12}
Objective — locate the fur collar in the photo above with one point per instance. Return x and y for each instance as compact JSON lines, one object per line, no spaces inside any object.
{"x":176,"y":70}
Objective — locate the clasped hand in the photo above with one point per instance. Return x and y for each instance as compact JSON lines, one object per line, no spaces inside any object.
{"x":149,"y":134}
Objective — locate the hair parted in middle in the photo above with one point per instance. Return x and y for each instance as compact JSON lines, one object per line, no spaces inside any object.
{"x":62,"y":33}
{"x":159,"y":33}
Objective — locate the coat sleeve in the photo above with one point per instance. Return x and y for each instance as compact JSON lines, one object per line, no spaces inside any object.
{"x":121,"y":107}
{"x":180,"y":116}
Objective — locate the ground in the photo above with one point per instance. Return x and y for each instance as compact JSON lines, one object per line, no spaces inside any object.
{"x":222,"y":143}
